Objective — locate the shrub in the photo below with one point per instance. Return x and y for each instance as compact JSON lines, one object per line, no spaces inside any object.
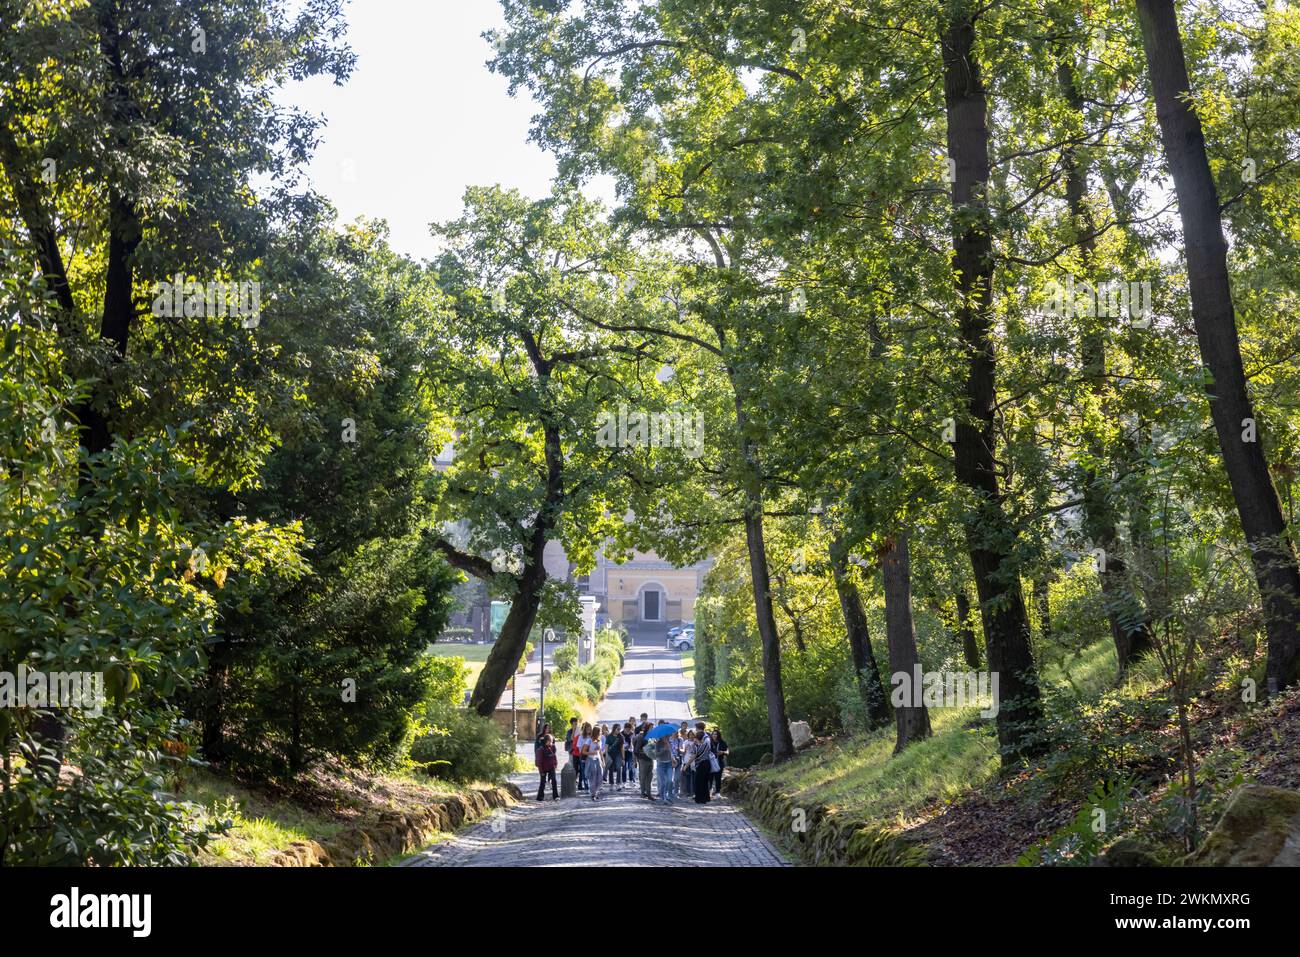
{"x":576,"y":688}
{"x":597,"y":675}
{"x":747,"y":755}
{"x":461,"y":746}
{"x":566,"y":656}
{"x":812,"y":680}
{"x":609,"y":641}
{"x":447,"y":680}
{"x":561,"y":705}
{"x":741,"y":714}
{"x":579,"y":686}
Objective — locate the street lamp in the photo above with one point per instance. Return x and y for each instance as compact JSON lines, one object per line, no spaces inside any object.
{"x":547,"y":635}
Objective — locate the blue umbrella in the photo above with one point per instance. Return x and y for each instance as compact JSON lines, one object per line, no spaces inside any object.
{"x":660,"y":731}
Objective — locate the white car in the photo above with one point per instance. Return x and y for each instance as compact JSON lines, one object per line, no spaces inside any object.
{"x":684,"y":640}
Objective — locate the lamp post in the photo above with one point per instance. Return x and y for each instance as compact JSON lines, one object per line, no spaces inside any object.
{"x":547,"y":635}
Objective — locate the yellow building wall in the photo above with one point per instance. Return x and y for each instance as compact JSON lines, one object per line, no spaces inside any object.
{"x":625,"y":586}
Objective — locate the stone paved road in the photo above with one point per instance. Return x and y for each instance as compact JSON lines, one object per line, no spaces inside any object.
{"x":622,"y":829}
{"x":652,"y":682}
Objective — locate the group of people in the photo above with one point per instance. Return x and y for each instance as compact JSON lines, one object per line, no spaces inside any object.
{"x":684,"y":760}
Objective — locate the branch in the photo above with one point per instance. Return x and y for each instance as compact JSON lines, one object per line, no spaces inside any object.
{"x":473,"y":564}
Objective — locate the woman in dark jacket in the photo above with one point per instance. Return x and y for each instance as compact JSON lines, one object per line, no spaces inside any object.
{"x":702,"y":760}
{"x":546,"y":761}
{"x":719,"y":752}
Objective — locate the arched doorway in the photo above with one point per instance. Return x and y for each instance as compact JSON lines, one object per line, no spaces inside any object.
{"x":651,"y":599}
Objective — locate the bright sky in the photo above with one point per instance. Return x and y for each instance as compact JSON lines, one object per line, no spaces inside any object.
{"x":420,"y":119}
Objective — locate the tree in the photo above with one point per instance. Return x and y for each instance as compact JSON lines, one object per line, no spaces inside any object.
{"x":326,"y":658}
{"x":144,"y":122}
{"x":911,"y":719}
{"x":1240,"y":442}
{"x":866,"y":672}
{"x":527,"y":375}
{"x":1002,"y":606}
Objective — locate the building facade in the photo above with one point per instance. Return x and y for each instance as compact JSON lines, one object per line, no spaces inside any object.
{"x":645,"y":590}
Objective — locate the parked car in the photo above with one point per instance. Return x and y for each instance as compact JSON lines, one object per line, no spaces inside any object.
{"x":676,"y":630}
{"x":684,"y":640}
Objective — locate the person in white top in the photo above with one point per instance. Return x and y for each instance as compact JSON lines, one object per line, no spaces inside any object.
{"x":592,"y":744}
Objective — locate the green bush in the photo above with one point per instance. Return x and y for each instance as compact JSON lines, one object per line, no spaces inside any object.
{"x":447,"y":680}
{"x":598,"y":675}
{"x":561,"y":705}
{"x":609,"y":641}
{"x":461,"y":746}
{"x":456,"y":634}
{"x":741,"y":714}
{"x":812,"y":681}
{"x":578,"y":686}
{"x":566,"y":656}
{"x":747,"y":755}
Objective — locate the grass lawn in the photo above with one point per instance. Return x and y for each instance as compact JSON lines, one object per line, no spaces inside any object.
{"x":266,"y":823}
{"x":475,"y":656}
{"x":688,"y":671}
{"x":861,"y":774}
{"x":262,"y":825}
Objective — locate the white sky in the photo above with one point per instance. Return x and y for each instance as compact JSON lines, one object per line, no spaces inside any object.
{"x":420,"y":119}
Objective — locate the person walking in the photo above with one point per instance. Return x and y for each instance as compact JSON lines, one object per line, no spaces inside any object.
{"x":675,"y":744}
{"x":663,"y":756}
{"x":629,"y":762}
{"x":591,"y":746}
{"x":572,"y":750}
{"x":644,"y":761}
{"x":614,"y":758}
{"x":703,"y":761}
{"x":547,"y":760}
{"x":720,"y":751}
{"x":688,"y":763}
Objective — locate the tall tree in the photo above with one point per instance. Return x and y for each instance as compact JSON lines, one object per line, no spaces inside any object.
{"x":1240,"y":437}
{"x":527,"y":377}
{"x":865,"y":670}
{"x":1002,"y":605}
{"x":911,"y":718}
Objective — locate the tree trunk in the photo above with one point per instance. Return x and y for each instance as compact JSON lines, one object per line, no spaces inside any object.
{"x":1132,"y":641}
{"x":503,"y":660}
{"x":761,"y":583}
{"x":970,"y":650}
{"x":213,"y":706}
{"x":911,"y":718}
{"x":987,"y":529}
{"x":124,"y":234}
{"x":36,"y":218}
{"x":779,"y":724}
{"x":865,"y":669}
{"x":1257,"y":503}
